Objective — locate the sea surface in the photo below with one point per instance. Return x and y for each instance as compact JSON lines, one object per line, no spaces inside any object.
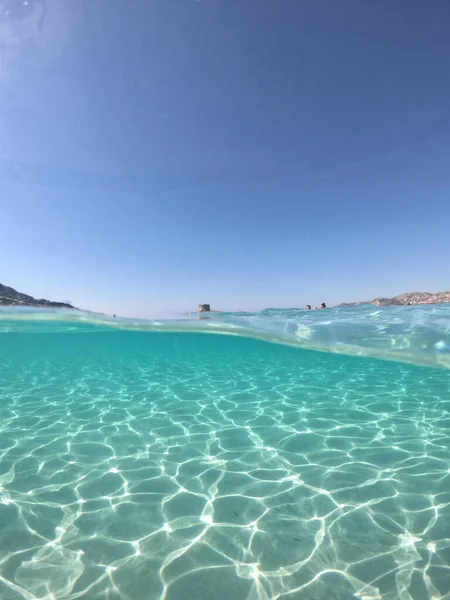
{"x":278,"y":455}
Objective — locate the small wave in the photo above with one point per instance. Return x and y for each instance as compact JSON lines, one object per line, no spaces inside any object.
{"x":416,"y":334}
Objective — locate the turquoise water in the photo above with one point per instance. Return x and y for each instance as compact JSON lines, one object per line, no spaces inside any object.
{"x":142,"y":464}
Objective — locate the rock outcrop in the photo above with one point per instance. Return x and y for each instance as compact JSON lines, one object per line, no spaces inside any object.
{"x":11,"y":297}
{"x":204,"y":308}
{"x":407,"y":299}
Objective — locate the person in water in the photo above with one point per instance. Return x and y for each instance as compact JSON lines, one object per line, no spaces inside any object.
{"x":308,"y":307}
{"x":323,"y":305}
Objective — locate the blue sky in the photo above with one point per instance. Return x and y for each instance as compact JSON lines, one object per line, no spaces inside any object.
{"x":157,"y":154}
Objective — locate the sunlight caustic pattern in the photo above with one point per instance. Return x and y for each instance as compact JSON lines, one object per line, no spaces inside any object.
{"x":165,"y":466}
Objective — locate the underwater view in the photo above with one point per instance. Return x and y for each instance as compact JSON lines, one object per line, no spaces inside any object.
{"x":194,"y":459}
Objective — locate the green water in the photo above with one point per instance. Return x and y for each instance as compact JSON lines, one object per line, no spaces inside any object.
{"x":141,"y":466}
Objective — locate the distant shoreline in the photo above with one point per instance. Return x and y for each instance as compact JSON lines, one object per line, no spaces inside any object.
{"x":407,"y":299}
{"x":47,"y":304}
{"x":11,"y":297}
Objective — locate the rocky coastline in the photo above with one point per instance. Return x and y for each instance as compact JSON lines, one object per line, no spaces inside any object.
{"x":11,"y":297}
{"x":410,"y":298}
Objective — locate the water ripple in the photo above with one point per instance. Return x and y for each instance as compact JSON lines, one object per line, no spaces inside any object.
{"x":416,"y":334}
{"x":166,"y":466}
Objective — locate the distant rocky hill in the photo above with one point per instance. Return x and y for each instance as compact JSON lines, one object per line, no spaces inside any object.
{"x":405,"y":299}
{"x":10,"y":297}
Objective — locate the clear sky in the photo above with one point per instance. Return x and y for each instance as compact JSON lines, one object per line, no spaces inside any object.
{"x":155,"y":154}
